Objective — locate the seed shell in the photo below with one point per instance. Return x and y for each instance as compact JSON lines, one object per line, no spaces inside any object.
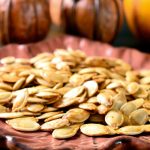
{"x":66,"y":132}
{"x":92,"y":129}
{"x":24,"y":124}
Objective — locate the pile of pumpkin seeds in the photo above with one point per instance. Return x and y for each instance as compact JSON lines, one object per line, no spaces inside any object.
{"x":66,"y":91}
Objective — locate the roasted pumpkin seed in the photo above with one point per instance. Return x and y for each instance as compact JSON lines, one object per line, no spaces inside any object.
{"x":66,"y":132}
{"x":114,"y":119}
{"x":92,"y":87}
{"x":35,"y":107}
{"x":24,"y":124}
{"x":130,"y":130}
{"x":54,"y":117}
{"x":74,"y":115}
{"x":75,"y":92}
{"x":88,"y":106}
{"x":54,"y":124}
{"x":5,"y":97}
{"x":128,"y":108}
{"x":92,"y":129}
{"x":48,"y":114}
{"x":138,"y":117}
{"x":20,"y":101}
{"x":8,"y":115}
{"x":8,"y":60}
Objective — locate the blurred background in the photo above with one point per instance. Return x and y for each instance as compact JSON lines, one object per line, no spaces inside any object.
{"x":118,"y":22}
{"x":126,"y":38}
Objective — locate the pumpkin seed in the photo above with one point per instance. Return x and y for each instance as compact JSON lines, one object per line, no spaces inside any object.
{"x":139,"y":102}
{"x":74,"y":115}
{"x":8,"y":60}
{"x":54,"y":124}
{"x":133,"y":87}
{"x":36,"y":100}
{"x":66,"y":132}
{"x":131,"y":76}
{"x":139,"y":117}
{"x":11,"y":78}
{"x":76,"y":80}
{"x":141,"y":93}
{"x":102,"y":109}
{"x":38,"y":57}
{"x":5,"y":86}
{"x":130,"y":130}
{"x":46,"y":94}
{"x":88,"y":106}
{"x":128,"y":108}
{"x":43,"y":82}
{"x":57,"y":77}
{"x":118,"y":100}
{"x":92,"y":129}
{"x":82,"y":98}
{"x":49,"y":109}
{"x":18,"y":84}
{"x":114,"y":85}
{"x":48,"y":114}
{"x":58,"y":85}
{"x":105,"y":99}
{"x":75,"y":92}
{"x":5,"y":97}
{"x":146,"y":127}
{"x":92,"y":87}
{"x":146,"y":104}
{"x":63,"y":90}
{"x":35,"y":107}
{"x":65,"y":102}
{"x":92,"y":100}
{"x":145,"y":80}
{"x":8,"y":115}
{"x":144,"y":73}
{"x":114,"y":118}
{"x":54,"y":117}
{"x":29,"y":79}
{"x":22,"y":61}
{"x":20,"y":101}
{"x":24,"y":124}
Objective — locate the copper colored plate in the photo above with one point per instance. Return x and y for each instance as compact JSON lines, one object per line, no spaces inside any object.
{"x":43,"y":140}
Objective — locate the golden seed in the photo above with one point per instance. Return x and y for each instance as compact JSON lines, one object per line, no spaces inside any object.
{"x":66,"y":132}
{"x":24,"y":124}
{"x":92,"y":129}
{"x":35,"y":107}
{"x":92,"y":87}
{"x":74,"y":115}
{"x":130,"y":130}
{"x":54,"y":124}
{"x":114,"y":118}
